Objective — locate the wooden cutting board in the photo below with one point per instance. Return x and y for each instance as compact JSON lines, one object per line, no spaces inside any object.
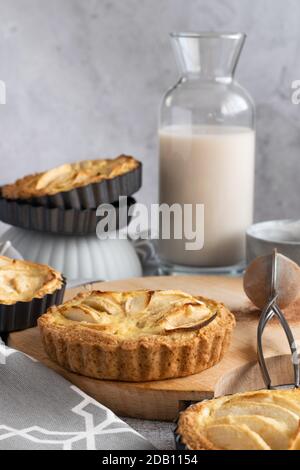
{"x":162,"y":399}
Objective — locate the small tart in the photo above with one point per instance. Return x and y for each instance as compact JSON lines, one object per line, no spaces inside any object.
{"x":262,"y":420}
{"x":69,"y":176}
{"x":22,"y":281}
{"x":137,"y":335}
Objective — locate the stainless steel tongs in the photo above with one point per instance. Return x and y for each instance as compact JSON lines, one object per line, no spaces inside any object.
{"x":270,"y":310}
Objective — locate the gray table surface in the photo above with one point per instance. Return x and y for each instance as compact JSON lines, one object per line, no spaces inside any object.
{"x":159,"y":433}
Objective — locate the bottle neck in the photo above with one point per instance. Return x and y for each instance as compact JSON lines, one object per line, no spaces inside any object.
{"x":207,"y":56}
{"x":200,"y":77}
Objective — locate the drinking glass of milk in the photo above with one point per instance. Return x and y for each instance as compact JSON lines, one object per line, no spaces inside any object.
{"x":207,"y":154}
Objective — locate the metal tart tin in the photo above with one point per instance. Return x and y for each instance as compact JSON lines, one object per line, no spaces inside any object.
{"x":22,"y":315}
{"x":53,"y":220}
{"x":177,"y":437}
{"x":94,"y":194}
{"x":178,"y":443}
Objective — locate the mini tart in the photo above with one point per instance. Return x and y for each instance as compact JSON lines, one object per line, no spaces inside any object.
{"x":79,"y":185}
{"x":137,"y":335}
{"x":262,"y":420}
{"x":27,"y":290}
{"x":21,"y":281}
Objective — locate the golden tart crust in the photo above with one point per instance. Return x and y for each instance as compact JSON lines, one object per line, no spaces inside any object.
{"x":137,"y":335}
{"x":260,"y":420}
{"x":21,"y":281}
{"x":69,"y":176}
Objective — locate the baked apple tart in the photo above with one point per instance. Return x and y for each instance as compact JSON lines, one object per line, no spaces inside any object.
{"x":69,"y":176}
{"x":27,"y":290}
{"x":137,"y":335}
{"x":21,"y":281}
{"x":262,"y":420}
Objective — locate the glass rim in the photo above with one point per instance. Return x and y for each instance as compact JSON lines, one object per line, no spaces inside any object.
{"x":208,"y":34}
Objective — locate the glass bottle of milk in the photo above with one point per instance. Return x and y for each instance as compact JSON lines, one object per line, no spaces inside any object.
{"x":207,"y":153}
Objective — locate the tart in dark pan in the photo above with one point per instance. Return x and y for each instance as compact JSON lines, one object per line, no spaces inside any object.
{"x":81,"y":185}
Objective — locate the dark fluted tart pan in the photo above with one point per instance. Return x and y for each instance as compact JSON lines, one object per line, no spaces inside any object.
{"x":22,"y":315}
{"x":53,"y":220}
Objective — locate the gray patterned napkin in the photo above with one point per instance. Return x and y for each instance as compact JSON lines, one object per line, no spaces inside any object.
{"x":40,"y":410}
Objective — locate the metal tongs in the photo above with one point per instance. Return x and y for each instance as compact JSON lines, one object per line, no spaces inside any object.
{"x":271,"y":309}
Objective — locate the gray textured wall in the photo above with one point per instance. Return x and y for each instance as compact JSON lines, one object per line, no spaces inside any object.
{"x":85,"y":77}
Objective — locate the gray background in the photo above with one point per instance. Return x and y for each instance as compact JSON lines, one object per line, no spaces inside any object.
{"x":85,"y":78}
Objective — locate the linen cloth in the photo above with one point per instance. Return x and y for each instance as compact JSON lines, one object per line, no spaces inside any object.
{"x":40,"y":410}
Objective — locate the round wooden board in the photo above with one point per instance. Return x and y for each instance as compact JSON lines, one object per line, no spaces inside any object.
{"x":161,"y":400}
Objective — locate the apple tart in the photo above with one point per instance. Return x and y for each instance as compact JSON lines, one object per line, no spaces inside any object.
{"x":137,"y":335}
{"x":79,"y":185}
{"x":27,"y":290}
{"x":262,"y":420}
